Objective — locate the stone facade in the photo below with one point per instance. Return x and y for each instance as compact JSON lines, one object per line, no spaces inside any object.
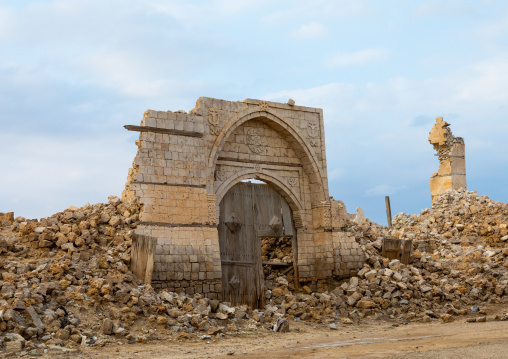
{"x":186,"y":162}
{"x":452,"y":163}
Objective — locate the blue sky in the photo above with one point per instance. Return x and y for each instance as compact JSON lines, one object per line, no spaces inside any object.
{"x":72,"y":73}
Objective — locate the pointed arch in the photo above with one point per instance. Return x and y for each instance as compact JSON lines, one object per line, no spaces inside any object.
{"x":300,"y":145}
{"x":265,"y":176}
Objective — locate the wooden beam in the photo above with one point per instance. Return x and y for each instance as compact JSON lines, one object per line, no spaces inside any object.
{"x":172,"y":184}
{"x":163,"y":130}
{"x":388,"y":211}
{"x":277,"y":264}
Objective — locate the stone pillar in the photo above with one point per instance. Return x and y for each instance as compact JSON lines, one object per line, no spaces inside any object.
{"x":452,"y":163}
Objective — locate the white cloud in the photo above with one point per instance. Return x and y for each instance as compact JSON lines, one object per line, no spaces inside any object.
{"x":50,"y":173}
{"x":333,"y":98}
{"x":314,"y":96}
{"x":487,"y":83}
{"x":211,"y":11}
{"x":310,"y":31}
{"x":5,"y":21}
{"x":358,"y":58}
{"x":492,"y":31}
{"x":448,"y":8}
{"x":124,"y":72}
{"x":317,"y":9}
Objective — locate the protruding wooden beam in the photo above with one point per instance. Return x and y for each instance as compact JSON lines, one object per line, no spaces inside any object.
{"x":163,"y":130}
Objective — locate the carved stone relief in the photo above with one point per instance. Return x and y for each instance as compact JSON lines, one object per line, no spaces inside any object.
{"x":297,"y":218}
{"x":212,"y":209}
{"x":215,"y":117}
{"x":220,"y":174}
{"x":254,"y":141}
{"x":292,"y":181}
{"x":263,"y":106}
{"x":313,"y":132}
{"x":327,"y":218}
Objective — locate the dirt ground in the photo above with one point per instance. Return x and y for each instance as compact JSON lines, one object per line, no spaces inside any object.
{"x":370,"y":339}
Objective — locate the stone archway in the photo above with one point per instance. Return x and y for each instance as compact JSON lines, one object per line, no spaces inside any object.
{"x":185,"y":164}
{"x":277,"y":183}
{"x":308,"y":159}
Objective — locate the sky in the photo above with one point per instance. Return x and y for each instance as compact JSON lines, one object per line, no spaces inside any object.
{"x":72,"y":73}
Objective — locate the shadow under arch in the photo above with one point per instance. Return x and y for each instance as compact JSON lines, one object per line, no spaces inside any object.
{"x":301,"y":146}
{"x":278,"y":185}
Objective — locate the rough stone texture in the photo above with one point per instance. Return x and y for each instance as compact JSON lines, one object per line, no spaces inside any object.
{"x":88,"y":294}
{"x":6,"y":218}
{"x":180,"y":179}
{"x":452,"y":162}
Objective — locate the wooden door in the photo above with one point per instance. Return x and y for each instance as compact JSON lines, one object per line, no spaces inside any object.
{"x":248,"y":212}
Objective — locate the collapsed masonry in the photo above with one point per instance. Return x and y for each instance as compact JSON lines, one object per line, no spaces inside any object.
{"x":452,"y":163}
{"x":187,"y":162}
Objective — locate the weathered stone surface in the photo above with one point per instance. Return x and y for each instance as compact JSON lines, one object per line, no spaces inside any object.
{"x":36,"y":320}
{"x":452,"y":164}
{"x":107,"y":326}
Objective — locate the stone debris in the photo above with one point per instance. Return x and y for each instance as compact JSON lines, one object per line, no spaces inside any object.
{"x":65,"y":280}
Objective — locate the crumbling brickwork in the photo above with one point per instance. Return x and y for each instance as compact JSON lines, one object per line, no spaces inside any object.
{"x":452,"y":163}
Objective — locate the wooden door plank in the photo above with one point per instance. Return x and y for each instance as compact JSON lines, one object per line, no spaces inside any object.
{"x":242,"y":273}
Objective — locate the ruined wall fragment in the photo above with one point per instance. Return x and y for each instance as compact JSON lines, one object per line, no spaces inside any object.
{"x":452,"y":163}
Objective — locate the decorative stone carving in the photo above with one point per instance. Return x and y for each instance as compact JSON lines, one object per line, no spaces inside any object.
{"x":220,"y":174}
{"x":297,"y":218}
{"x":254,"y":141}
{"x":257,"y":167}
{"x":263,"y":106}
{"x":292,"y":181}
{"x":234,"y":223}
{"x":212,"y":209}
{"x":313,"y":132}
{"x":215,"y":117}
{"x":324,"y":209}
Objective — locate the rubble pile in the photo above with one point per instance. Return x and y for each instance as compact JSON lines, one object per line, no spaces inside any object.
{"x":463,"y":263}
{"x":277,"y":250}
{"x":60,"y":273}
{"x":77,"y":230}
{"x":459,"y":216}
{"x":277,"y":258}
{"x":65,"y":280}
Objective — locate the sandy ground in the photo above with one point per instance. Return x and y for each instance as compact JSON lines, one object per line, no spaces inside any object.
{"x":371,"y":339}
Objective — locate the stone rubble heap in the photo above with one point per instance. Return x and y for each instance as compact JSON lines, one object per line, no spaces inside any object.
{"x":66,"y":279}
{"x":460,"y":259}
{"x":458,"y":216}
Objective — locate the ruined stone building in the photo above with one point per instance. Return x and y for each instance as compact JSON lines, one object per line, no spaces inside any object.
{"x":452,"y":162}
{"x":200,"y":225}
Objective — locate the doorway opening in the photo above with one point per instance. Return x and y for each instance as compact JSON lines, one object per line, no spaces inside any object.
{"x":258,"y":244}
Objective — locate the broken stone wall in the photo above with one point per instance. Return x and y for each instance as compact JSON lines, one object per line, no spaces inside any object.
{"x":349,"y":256}
{"x":186,"y":162}
{"x":452,"y":163}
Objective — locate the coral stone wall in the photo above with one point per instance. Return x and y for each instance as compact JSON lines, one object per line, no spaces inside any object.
{"x":186,"y":162}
